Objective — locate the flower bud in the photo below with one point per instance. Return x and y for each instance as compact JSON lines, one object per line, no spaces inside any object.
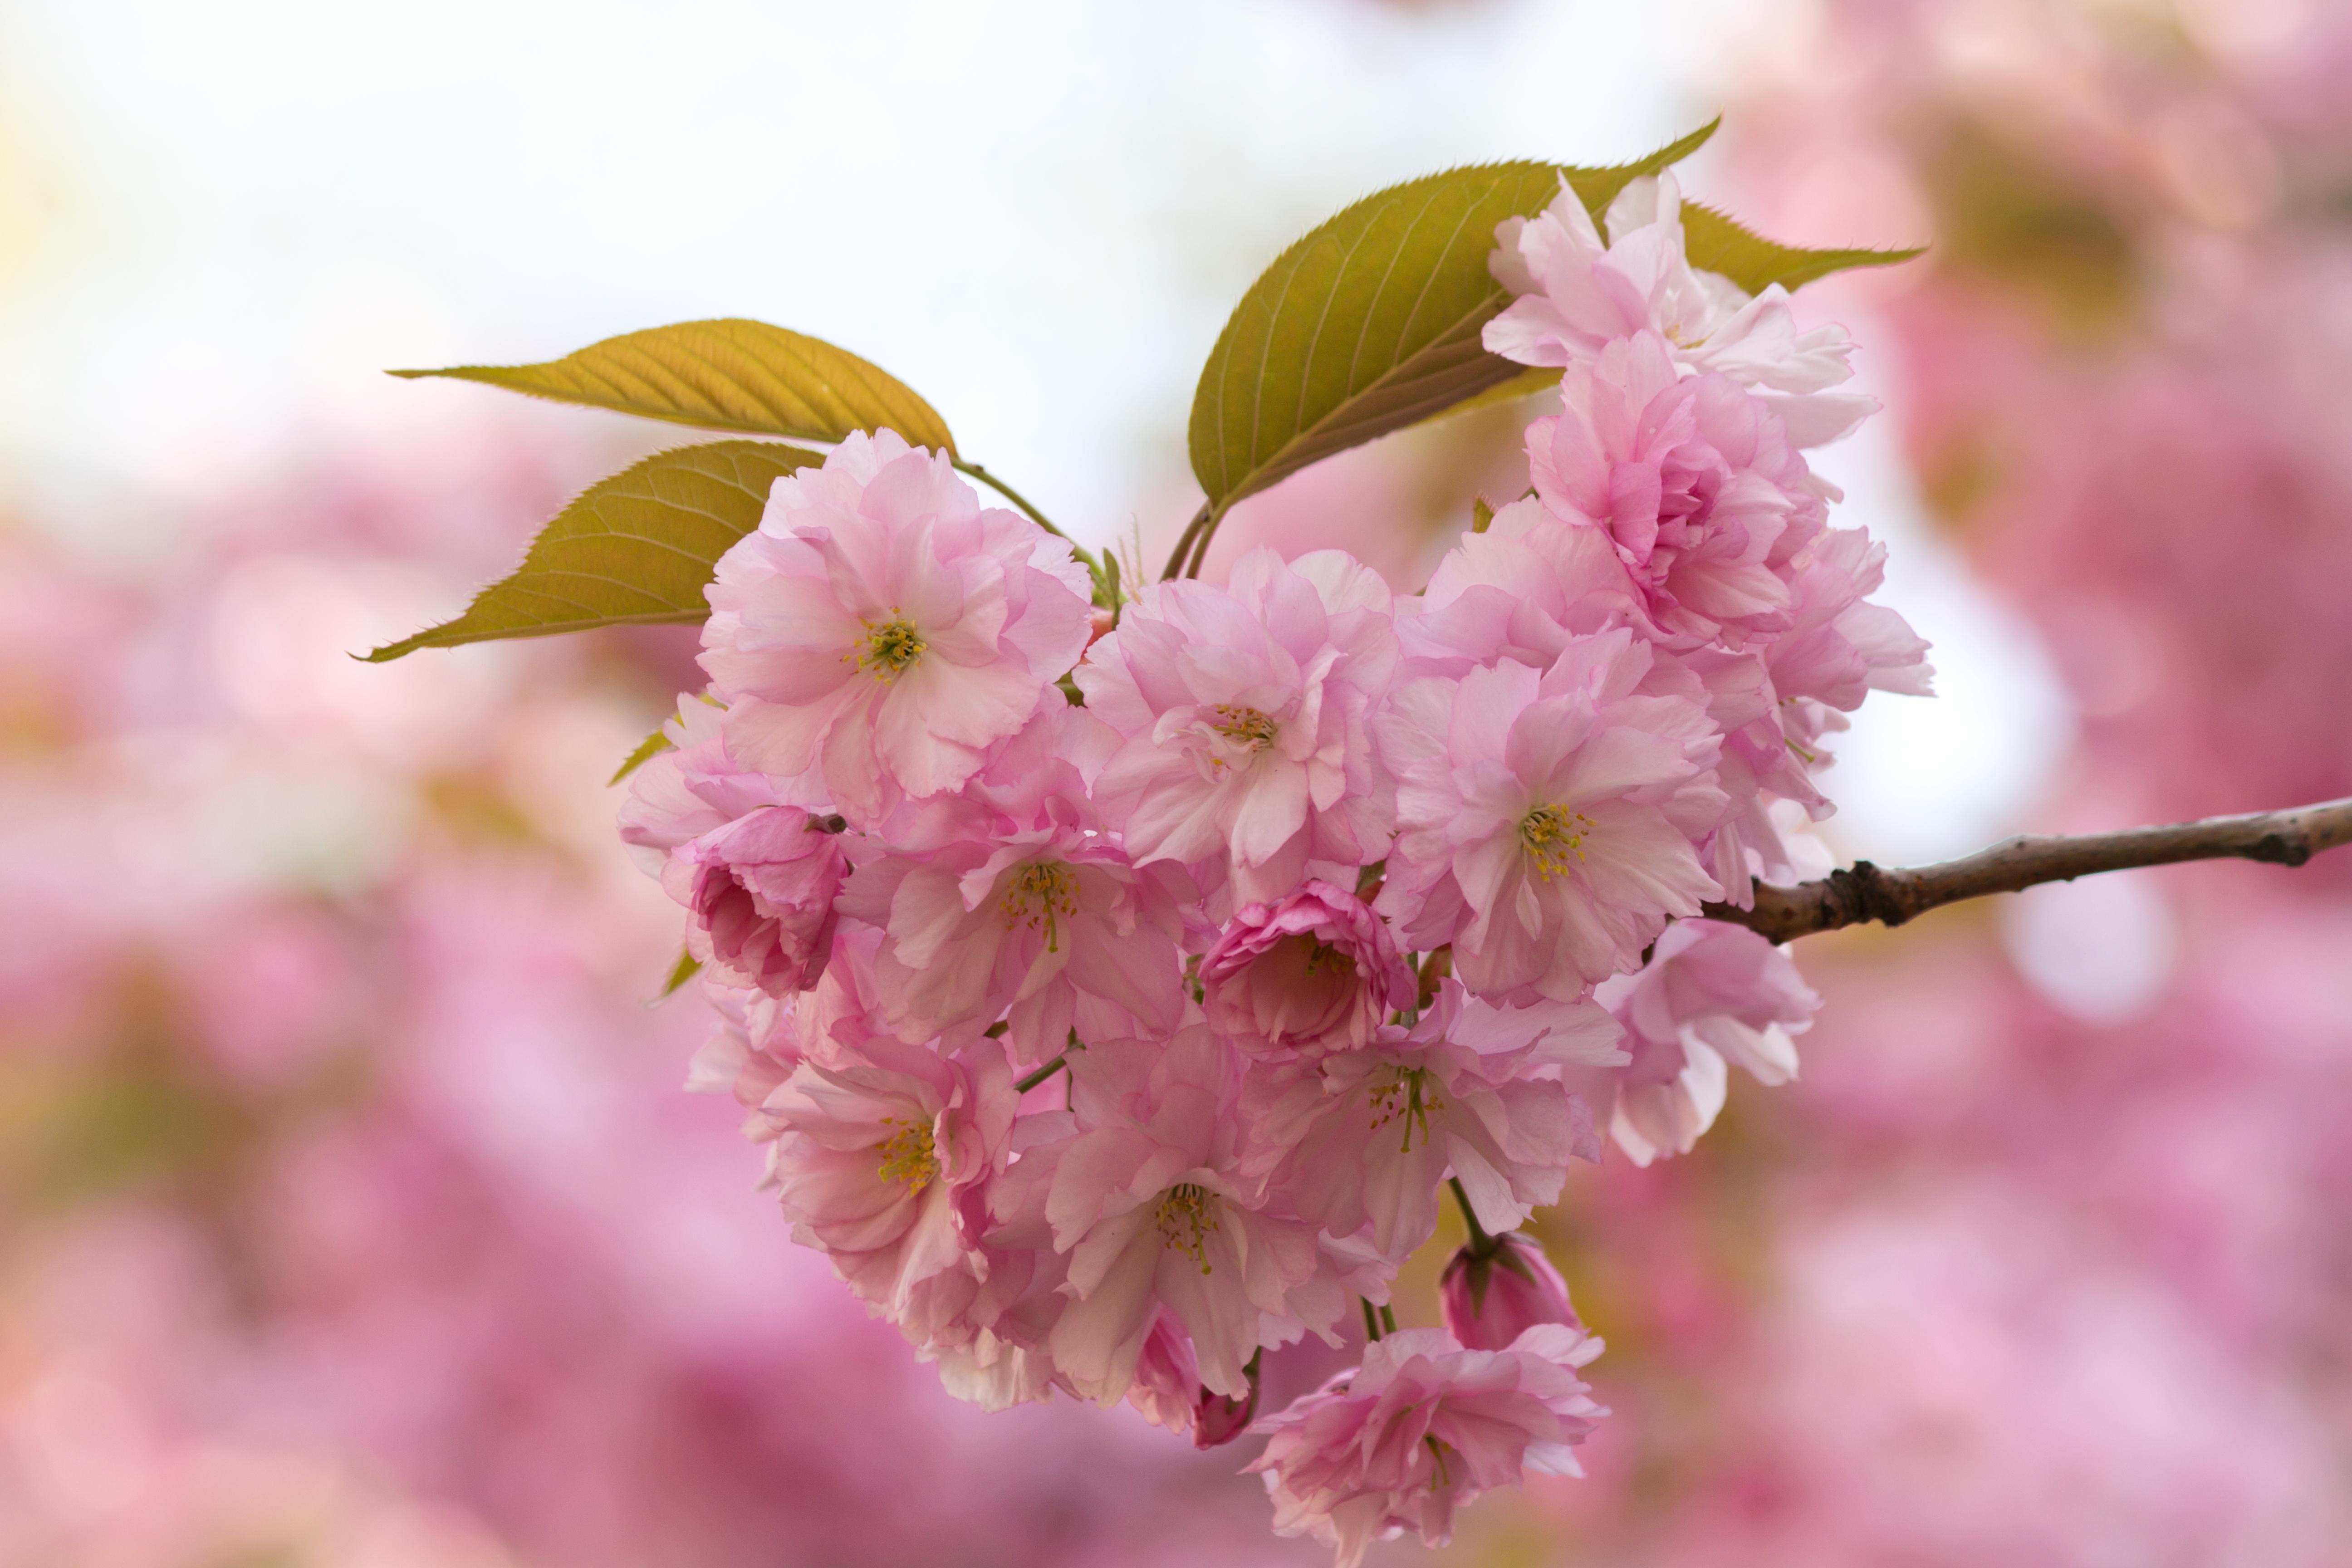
{"x":1489,"y":1300}
{"x":1168,"y":1389}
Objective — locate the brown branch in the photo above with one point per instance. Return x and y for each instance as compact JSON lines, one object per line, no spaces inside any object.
{"x":1867,"y":892}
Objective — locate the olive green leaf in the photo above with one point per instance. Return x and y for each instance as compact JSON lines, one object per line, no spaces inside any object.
{"x":652,"y":746}
{"x":727,"y":375}
{"x":1371,"y":322}
{"x":634,"y":550}
{"x":687,"y":967}
{"x":1714,"y":243}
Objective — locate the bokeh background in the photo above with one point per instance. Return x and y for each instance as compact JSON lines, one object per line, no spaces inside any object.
{"x":350,"y":1213}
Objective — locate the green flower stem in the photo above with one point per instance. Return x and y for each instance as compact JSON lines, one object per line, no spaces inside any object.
{"x":1481,"y":1244}
{"x":1041,"y":1075}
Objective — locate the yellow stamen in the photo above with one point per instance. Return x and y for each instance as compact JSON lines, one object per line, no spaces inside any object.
{"x":1042,"y":892}
{"x":1246,"y":725}
{"x":891,"y":648}
{"x":1551,"y":836}
{"x":1407,"y":1094}
{"x":908,"y":1154}
{"x":1187,"y":1216}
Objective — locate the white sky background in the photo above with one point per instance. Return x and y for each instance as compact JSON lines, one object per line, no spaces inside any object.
{"x":1036,"y":212}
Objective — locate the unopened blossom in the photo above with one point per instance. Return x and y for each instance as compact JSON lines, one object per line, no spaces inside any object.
{"x":1152,"y":1209}
{"x":1489,"y":1298}
{"x":1423,"y":1426}
{"x":1312,"y":972}
{"x":1245,"y":715}
{"x":1577,"y":295}
{"x":1168,"y":1390}
{"x":1366,"y":1140}
{"x":1547,"y":823}
{"x":883,"y":1164}
{"x":882,"y":629}
{"x":1694,"y":482}
{"x":1712,"y":994}
{"x":760,"y":897}
{"x":1050,"y":928}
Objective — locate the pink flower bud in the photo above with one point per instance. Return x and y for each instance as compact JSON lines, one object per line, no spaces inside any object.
{"x":1168,"y":1390}
{"x":1490,"y":1300}
{"x":762,"y":891}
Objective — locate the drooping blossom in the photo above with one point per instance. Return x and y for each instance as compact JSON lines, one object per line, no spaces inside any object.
{"x":1712,"y":994}
{"x":1488,"y":1299}
{"x":1150,"y":1203}
{"x":884,"y":1165}
{"x":1548,"y":823}
{"x":1694,"y":482}
{"x":1577,"y":295}
{"x":760,"y":897}
{"x":1245,"y":711}
{"x":1168,"y":1389}
{"x":881,"y":628}
{"x":1316,"y":971}
{"x":1366,"y":1140}
{"x":1421,"y":1427}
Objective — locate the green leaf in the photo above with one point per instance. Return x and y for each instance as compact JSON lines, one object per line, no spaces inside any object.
{"x":728,"y":375}
{"x":1714,"y":243}
{"x":1371,"y":322}
{"x":635,"y":549}
{"x":1482,"y":516}
{"x":652,"y":746}
{"x":687,"y":967}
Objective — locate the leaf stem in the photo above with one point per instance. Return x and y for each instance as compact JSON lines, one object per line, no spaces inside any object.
{"x":1024,"y":1085}
{"x":1178,"y":556}
{"x":1481,"y":1244}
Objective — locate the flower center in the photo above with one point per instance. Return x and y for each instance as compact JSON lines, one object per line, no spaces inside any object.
{"x":891,"y":648}
{"x":1244,"y":727}
{"x":1552,"y":835}
{"x":1187,"y":1216}
{"x":1406,"y":1095}
{"x":908,"y":1154}
{"x":1322,"y":958}
{"x":1042,"y":892}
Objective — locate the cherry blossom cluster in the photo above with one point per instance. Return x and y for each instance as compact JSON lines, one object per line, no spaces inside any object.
{"x":1121,"y":988}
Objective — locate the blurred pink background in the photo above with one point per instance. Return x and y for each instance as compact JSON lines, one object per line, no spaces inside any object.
{"x":349,"y":1212}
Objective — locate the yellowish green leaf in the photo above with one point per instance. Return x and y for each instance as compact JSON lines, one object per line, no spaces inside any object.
{"x":1481,"y":514}
{"x":652,"y":746}
{"x":727,"y":375}
{"x":635,"y":549}
{"x":1371,"y":322}
{"x":1716,"y":244}
{"x":687,"y":967}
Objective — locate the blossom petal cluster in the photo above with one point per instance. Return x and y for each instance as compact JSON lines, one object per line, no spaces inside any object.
{"x":1122,"y":985}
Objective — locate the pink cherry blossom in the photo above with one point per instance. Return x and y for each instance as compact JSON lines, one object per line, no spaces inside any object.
{"x":882,"y":629}
{"x":1151,"y":1204}
{"x":1244,"y":712}
{"x":1168,"y":1390}
{"x":695,"y":787}
{"x":1523,"y":589}
{"x":1488,"y":1299}
{"x":1711,"y":994}
{"x":1423,"y":1426}
{"x":1548,"y":823}
{"x":884,"y":1165}
{"x":1577,"y":295}
{"x":1367,"y":1139}
{"x":1316,"y":972}
{"x":1694,"y":482}
{"x":1049,"y":927}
